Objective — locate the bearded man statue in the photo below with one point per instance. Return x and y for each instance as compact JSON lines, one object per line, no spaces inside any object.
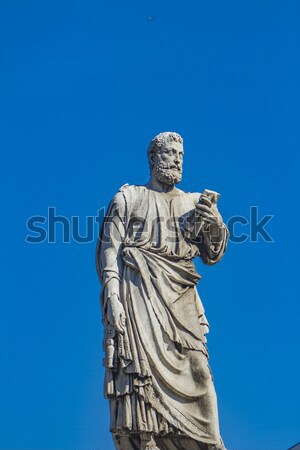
{"x":158,"y":380}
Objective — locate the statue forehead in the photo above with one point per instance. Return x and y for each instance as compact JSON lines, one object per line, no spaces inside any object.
{"x":168,"y":145}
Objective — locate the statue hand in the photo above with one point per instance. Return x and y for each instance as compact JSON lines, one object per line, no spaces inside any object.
{"x":207,"y":209}
{"x":208,"y":213}
{"x":116,"y":313}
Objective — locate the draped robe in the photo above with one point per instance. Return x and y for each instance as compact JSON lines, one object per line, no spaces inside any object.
{"x":161,"y":382}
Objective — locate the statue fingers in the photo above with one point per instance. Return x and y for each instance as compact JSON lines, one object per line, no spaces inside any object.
{"x":205,"y":199}
{"x":120,"y":323}
{"x":203,"y":208}
{"x":209,"y":218}
{"x":118,"y":327}
{"x":123,"y":320}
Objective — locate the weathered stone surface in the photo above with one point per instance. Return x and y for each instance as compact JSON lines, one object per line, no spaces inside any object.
{"x":158,"y":380}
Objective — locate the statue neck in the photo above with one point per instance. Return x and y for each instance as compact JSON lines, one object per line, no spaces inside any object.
{"x":158,"y":186}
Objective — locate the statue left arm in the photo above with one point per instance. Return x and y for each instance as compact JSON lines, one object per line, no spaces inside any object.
{"x":109,"y":260}
{"x":210,"y":233}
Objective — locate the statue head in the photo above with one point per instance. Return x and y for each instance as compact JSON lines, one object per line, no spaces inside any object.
{"x":165,"y":154}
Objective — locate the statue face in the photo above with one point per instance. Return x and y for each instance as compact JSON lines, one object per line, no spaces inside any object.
{"x":167,"y":163}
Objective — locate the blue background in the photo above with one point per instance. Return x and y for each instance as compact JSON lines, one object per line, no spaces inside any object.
{"x":84,"y":87}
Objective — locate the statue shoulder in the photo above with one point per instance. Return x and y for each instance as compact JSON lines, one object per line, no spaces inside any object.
{"x":119,"y":199}
{"x":132,"y":190}
{"x":195,"y":196}
{"x":127,"y":193}
{"x":124,"y":187}
{"x":192,"y":196}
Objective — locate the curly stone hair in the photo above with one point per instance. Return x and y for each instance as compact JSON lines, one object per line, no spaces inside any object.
{"x":160,"y":140}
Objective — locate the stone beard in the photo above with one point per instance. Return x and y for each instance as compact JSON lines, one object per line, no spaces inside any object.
{"x":158,"y":380}
{"x":167,"y":174}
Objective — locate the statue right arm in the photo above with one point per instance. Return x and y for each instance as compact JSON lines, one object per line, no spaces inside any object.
{"x":109,"y":260}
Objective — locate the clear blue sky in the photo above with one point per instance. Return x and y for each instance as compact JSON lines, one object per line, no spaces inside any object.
{"x":84,"y":86}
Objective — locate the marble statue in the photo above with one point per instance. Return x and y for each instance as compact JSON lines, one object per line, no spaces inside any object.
{"x":158,"y":380}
